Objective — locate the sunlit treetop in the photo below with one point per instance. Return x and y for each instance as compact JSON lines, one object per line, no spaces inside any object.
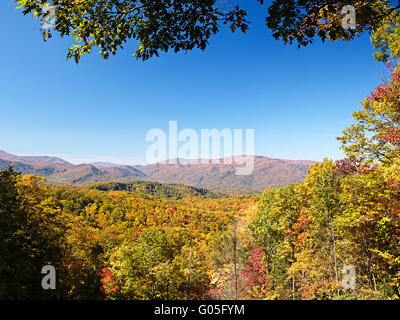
{"x":300,"y":21}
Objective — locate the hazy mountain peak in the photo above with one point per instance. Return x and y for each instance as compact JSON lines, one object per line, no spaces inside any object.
{"x":29,"y":159}
{"x":100,"y":164}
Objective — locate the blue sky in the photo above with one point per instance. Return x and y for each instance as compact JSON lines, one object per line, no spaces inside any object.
{"x":297,"y":101}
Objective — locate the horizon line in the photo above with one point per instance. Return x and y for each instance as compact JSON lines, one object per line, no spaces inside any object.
{"x":132,"y":161}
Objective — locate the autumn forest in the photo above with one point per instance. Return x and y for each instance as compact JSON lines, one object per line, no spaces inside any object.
{"x":334,"y":235}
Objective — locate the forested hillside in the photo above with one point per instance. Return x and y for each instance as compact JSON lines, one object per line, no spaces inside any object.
{"x":113,"y":244}
{"x":292,"y":244}
{"x":267,"y":172}
{"x":342,"y":215}
{"x":175,"y":191}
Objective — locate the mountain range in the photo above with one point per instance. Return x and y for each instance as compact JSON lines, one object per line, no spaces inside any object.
{"x":268,"y":172}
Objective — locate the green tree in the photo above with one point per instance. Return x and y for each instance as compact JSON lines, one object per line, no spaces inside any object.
{"x":274,"y":229}
{"x":157,"y":25}
{"x":31,"y":236}
{"x":322,"y":188}
{"x":163,"y":25}
{"x":375,"y":137}
{"x":301,"y":21}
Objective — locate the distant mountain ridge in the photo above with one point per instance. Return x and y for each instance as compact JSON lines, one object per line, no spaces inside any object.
{"x":268,"y":172}
{"x":100,"y":164}
{"x":35,"y":159}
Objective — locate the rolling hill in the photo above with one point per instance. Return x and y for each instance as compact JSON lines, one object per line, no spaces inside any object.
{"x":268,"y":172}
{"x":172,"y":191}
{"x":35,"y":159}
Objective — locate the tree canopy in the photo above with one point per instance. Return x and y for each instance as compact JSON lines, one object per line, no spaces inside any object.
{"x":375,"y":136}
{"x":163,"y":25}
